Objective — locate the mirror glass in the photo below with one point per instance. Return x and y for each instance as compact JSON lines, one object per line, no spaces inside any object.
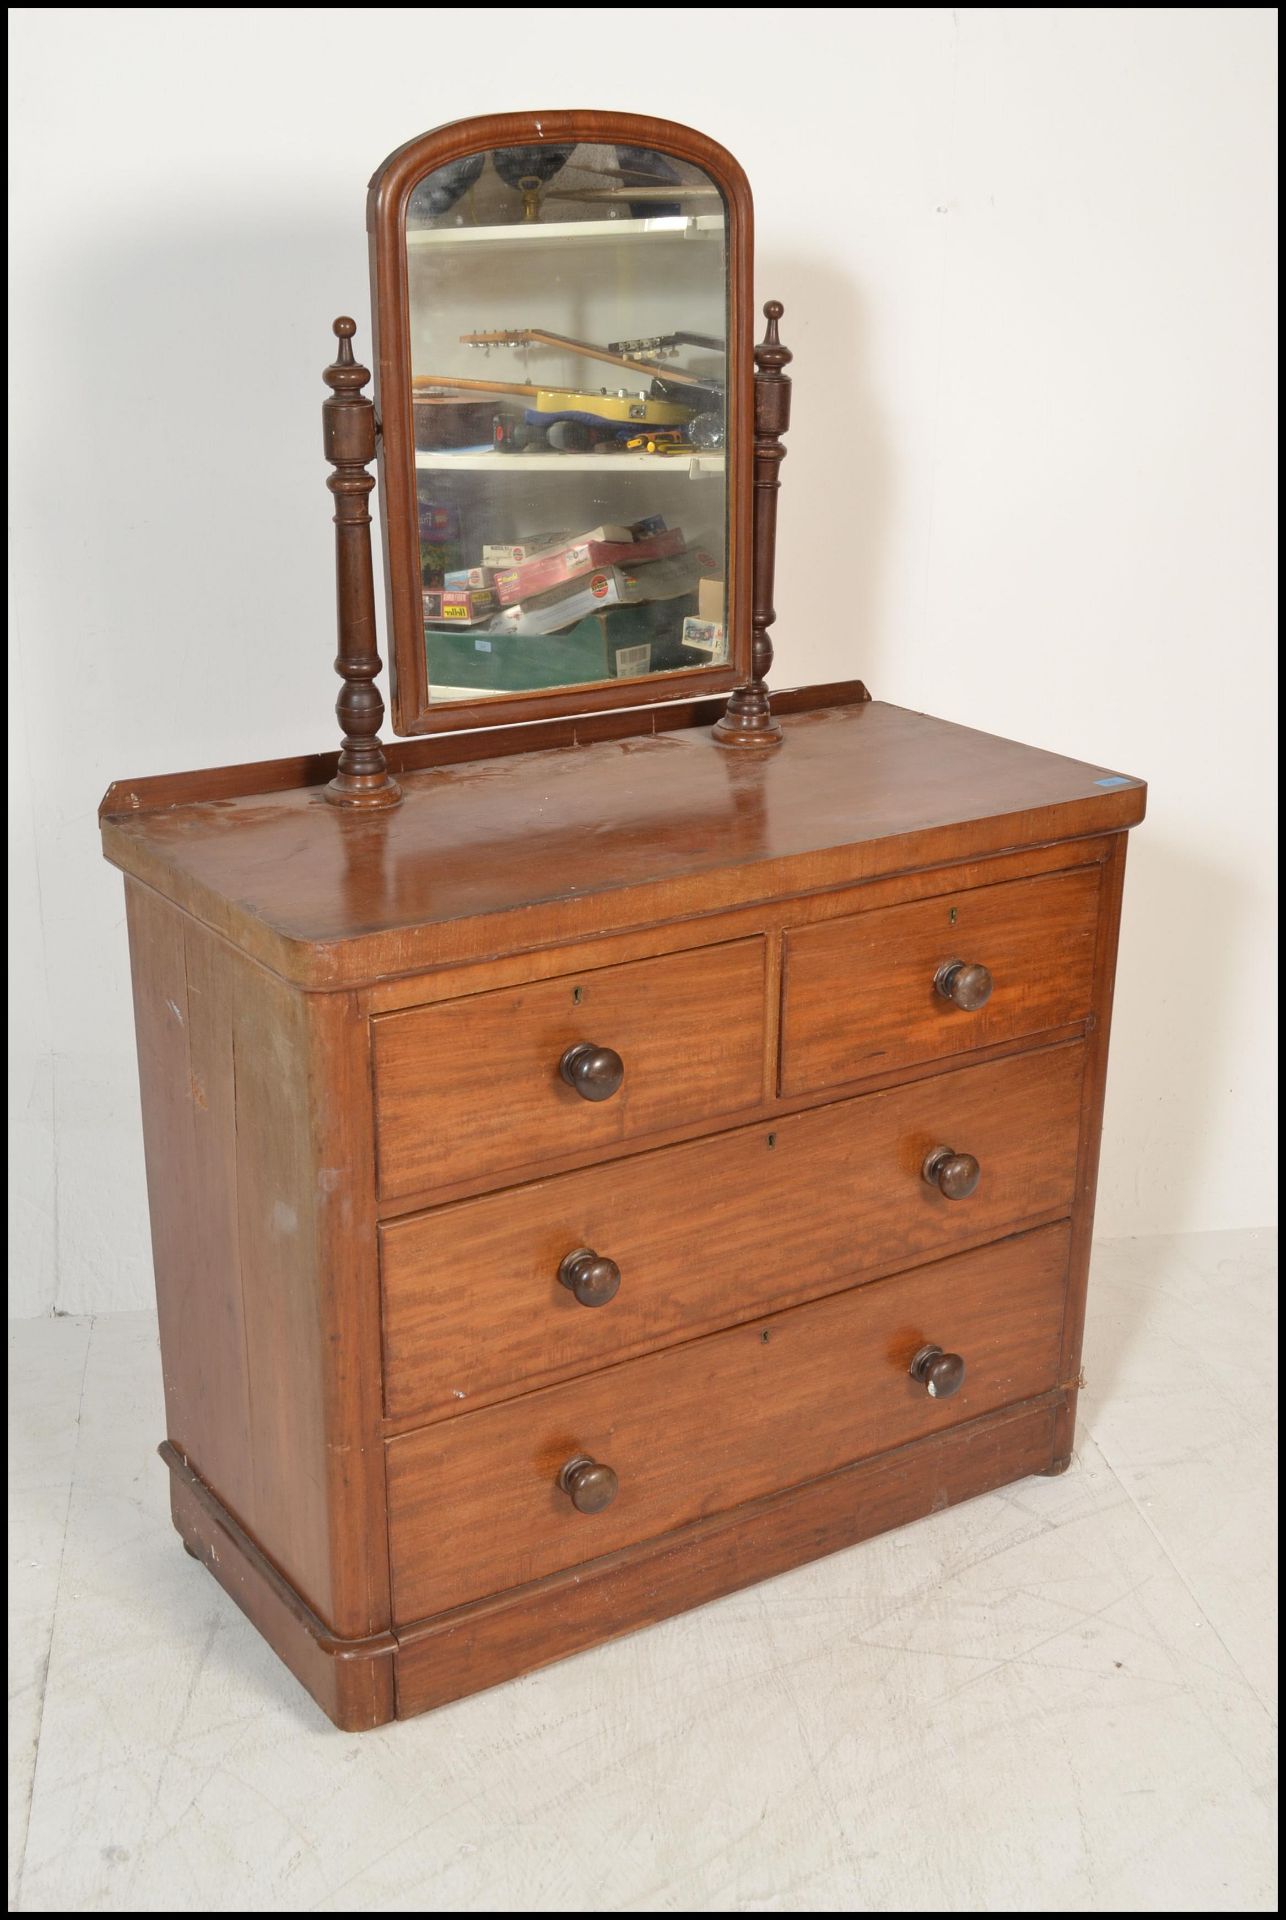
{"x":568,"y":320}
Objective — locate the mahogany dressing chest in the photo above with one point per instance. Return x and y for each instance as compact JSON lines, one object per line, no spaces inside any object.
{"x":633,"y":1134}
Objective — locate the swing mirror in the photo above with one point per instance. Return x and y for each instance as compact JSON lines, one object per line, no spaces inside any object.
{"x":564,"y":386}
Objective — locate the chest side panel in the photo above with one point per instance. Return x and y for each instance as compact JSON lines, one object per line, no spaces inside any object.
{"x":258,"y":1144}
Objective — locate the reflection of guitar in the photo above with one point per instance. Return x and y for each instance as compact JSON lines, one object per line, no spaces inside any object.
{"x":548,"y":404}
{"x":666,"y":342}
{"x":615,"y":356}
{"x":704,"y":391}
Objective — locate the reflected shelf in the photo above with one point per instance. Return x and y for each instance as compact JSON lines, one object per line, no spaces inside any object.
{"x":485,"y":460}
{"x":663,"y":227}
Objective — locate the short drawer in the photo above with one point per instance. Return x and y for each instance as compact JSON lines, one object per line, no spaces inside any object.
{"x":715,"y":1231}
{"x":861,"y":995}
{"x":470,"y":1087}
{"x":476,"y":1505}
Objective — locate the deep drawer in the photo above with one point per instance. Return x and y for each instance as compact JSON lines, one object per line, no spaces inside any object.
{"x":475,"y":1504}
{"x":712,"y":1232}
{"x":861,"y":996}
{"x":471,"y":1087}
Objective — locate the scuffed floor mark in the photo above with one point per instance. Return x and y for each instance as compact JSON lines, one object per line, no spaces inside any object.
{"x":43,"y":1680}
{"x":168,"y":1753}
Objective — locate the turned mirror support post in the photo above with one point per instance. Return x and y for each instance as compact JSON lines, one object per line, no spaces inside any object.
{"x":748,"y":721}
{"x":348,"y":417}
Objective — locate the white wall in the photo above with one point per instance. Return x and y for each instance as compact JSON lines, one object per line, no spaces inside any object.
{"x":1028,"y":267}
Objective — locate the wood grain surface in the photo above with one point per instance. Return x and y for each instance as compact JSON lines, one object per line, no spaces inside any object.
{"x":1093,"y":1094}
{"x":153,"y":791}
{"x":367,"y":1413}
{"x":474,"y":1504}
{"x":716,"y":1231}
{"x":350,"y":1679}
{"x":859,"y":994}
{"x":257,"y":1128}
{"x":710,"y":928}
{"x":496,"y":1639}
{"x":512,"y":854}
{"x":473,"y":1085}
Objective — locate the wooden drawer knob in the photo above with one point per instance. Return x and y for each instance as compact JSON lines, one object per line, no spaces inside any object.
{"x":941,"y":1374}
{"x":964,"y":983}
{"x":591,"y":1278}
{"x":588,"y":1484}
{"x":595,"y":1072}
{"x":952,"y":1173}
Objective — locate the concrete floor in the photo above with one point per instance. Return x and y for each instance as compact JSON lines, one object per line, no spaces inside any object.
{"x":1059,"y":1698}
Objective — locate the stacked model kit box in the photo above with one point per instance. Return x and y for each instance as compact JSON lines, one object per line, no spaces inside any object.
{"x":663,"y":580}
{"x":708,"y":638}
{"x":494,"y":555}
{"x":462,"y":608}
{"x":585,"y":555}
{"x":469,"y":577}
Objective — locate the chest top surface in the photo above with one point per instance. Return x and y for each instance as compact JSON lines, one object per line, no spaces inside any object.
{"x":499,"y":854}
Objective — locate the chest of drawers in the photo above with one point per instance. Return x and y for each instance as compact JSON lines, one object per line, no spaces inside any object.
{"x":619,"y":1174}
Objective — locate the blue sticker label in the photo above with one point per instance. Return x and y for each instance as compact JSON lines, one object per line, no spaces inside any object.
{"x":1113,"y":780}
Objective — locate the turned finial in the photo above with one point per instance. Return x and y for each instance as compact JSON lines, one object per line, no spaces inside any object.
{"x":769,"y":352}
{"x":748,"y":721}
{"x":344,"y":374}
{"x":348,"y":419}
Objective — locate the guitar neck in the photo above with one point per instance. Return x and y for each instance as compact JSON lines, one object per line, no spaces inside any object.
{"x":441,"y":385}
{"x":649,"y":344}
{"x":537,"y":337}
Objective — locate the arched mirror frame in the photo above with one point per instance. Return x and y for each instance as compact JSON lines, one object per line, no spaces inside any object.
{"x":388,"y":200}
